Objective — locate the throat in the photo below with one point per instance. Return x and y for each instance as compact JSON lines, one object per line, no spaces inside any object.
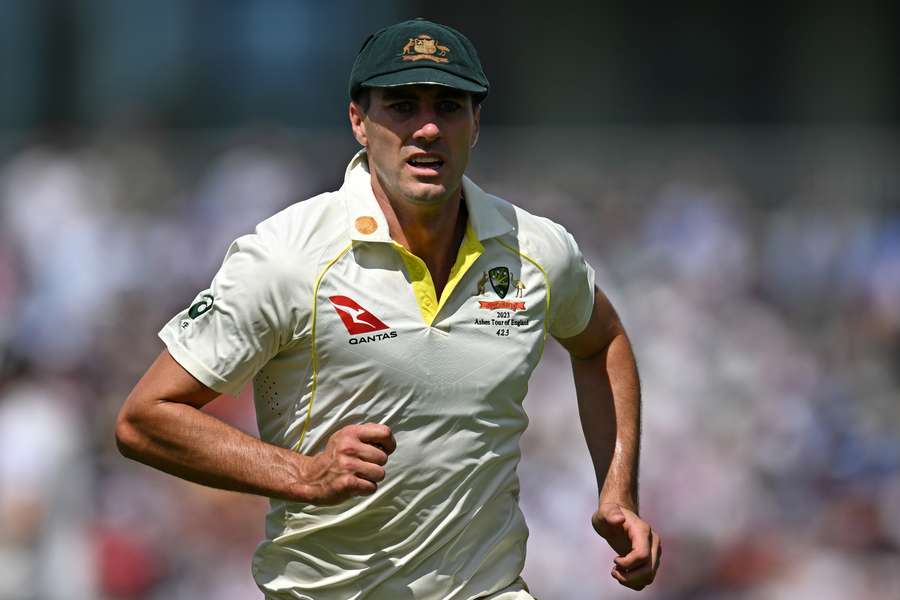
{"x":438,"y":246}
{"x":433,"y":234}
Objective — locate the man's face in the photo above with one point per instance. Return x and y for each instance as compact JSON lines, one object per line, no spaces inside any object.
{"x":418,"y":139}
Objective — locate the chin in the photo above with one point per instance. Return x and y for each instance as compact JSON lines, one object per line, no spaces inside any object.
{"x":427,"y":193}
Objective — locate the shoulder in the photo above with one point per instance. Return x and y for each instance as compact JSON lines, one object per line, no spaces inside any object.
{"x":303,"y":232}
{"x":305,"y":227}
{"x":543,"y":240}
{"x":290,"y":244}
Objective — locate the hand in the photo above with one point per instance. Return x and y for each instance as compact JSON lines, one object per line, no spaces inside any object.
{"x":639,"y":547}
{"x":352,"y":464}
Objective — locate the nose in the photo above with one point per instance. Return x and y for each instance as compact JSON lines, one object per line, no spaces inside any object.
{"x":428,"y":132}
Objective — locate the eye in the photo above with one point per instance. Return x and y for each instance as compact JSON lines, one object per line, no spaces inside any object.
{"x":449,"y":106}
{"x":403,"y":107}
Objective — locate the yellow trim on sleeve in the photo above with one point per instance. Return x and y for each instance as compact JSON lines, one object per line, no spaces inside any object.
{"x":314,"y":358}
{"x":422,"y":283}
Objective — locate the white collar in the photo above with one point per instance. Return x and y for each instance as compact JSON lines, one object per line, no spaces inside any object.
{"x":364,"y":211}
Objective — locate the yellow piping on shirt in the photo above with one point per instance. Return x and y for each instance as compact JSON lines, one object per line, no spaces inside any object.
{"x":314,"y":358}
{"x":546,"y":280}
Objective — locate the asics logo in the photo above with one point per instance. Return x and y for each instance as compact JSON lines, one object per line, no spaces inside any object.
{"x":356,"y":318}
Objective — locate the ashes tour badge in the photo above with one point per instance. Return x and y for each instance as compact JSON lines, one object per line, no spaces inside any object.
{"x":499,"y":280}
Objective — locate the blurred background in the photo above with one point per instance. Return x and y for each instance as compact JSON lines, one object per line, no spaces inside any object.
{"x":732,"y":172}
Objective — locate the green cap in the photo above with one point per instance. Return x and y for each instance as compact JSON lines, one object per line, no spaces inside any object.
{"x":418,"y":51}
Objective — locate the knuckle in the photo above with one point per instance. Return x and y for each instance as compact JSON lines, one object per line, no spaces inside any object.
{"x":347,"y":448}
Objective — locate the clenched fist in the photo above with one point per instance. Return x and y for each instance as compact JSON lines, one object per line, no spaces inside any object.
{"x":638,"y":546}
{"x":352,"y":464}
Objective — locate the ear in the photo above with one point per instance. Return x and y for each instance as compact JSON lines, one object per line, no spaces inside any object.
{"x":477,"y":129}
{"x":358,"y":123}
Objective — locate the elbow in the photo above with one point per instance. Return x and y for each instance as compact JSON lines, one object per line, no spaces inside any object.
{"x":127,"y":435}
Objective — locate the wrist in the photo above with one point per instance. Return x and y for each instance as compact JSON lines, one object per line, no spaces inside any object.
{"x":295,"y":484}
{"x":625,"y":501}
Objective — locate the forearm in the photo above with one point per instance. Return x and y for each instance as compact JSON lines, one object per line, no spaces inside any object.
{"x":184,"y":441}
{"x":608,"y":393}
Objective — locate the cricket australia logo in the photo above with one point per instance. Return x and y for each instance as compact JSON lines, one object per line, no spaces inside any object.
{"x":500,"y":279}
{"x":358,"y":321}
{"x":425,"y":47}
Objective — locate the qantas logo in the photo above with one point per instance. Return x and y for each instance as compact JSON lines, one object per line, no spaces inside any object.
{"x":356,"y":319}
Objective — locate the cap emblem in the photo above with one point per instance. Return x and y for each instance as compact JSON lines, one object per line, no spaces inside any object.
{"x":425,"y":47}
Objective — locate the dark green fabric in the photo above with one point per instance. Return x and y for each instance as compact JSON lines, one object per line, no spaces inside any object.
{"x":418,"y":51}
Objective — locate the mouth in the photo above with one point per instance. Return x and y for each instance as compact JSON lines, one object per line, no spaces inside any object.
{"x":426,"y":164}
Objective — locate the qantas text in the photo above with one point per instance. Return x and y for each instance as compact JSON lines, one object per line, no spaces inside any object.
{"x":375,"y":337}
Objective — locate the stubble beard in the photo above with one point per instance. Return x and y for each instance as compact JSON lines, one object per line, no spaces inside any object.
{"x":416,"y":192}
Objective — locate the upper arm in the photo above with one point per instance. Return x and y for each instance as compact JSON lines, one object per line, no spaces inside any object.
{"x":168,"y":381}
{"x":252,"y":310}
{"x":570,"y":279}
{"x":581,"y":317}
{"x":602,"y":327}
{"x":165,"y":381}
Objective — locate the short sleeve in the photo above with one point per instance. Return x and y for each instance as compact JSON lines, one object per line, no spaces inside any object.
{"x":571,"y":290}
{"x":246,"y":316}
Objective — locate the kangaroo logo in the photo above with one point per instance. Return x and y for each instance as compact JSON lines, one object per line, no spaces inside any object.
{"x":356,"y":318}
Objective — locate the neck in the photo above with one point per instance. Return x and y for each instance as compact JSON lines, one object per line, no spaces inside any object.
{"x":433,"y":232}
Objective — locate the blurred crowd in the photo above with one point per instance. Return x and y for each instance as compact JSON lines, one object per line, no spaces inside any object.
{"x":758,"y":277}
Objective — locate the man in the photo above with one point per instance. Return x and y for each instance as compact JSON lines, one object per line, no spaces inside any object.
{"x":389,"y":359}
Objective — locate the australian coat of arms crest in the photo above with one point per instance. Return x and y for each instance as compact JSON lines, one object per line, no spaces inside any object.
{"x":425,"y":47}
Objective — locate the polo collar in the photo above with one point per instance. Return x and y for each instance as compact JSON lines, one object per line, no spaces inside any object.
{"x":367,"y":223}
{"x":485,"y":217}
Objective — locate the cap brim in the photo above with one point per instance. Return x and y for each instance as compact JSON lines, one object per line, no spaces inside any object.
{"x":425,"y":75}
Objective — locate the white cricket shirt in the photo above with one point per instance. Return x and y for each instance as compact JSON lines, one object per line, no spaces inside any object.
{"x":336,"y":324}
